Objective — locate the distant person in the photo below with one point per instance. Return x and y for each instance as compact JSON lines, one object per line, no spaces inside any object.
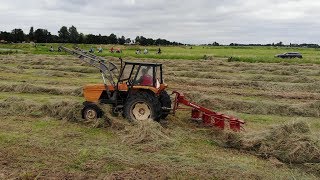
{"x":100,"y":49}
{"x":159,"y":51}
{"x":59,"y":49}
{"x":112,"y":50}
{"x":51,"y":49}
{"x":118,"y":50}
{"x":138,"y":51}
{"x":91,"y":50}
{"x":145,"y":51}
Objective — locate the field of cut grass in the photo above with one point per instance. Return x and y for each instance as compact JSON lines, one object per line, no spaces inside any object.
{"x":42,"y":135}
{"x":241,"y":54}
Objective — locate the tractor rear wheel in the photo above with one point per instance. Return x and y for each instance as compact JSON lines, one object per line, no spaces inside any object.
{"x":142,"y":106}
{"x":165,"y":102}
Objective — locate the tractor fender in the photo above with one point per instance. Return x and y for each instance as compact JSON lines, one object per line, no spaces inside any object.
{"x":153,"y":89}
{"x":143,"y":90}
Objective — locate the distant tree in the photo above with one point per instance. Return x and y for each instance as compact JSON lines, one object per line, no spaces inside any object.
{"x":17,"y":35}
{"x":73,"y":35}
{"x":54,"y":38}
{"x":31,"y":34}
{"x":142,"y":41}
{"x":162,"y":42}
{"x":158,"y":41}
{"x":42,"y":36}
{"x":149,"y":41}
{"x":64,"y":34}
{"x":215,"y":44}
{"x":279,"y":44}
{"x":91,"y":39}
{"x":113,"y":39}
{"x":128,"y":40}
{"x":49,"y":37}
{"x":105,"y":40}
{"x":122,"y":40}
{"x":99,"y":39}
{"x":137,"y":40}
{"x":6,"y":36}
{"x":81,"y":39}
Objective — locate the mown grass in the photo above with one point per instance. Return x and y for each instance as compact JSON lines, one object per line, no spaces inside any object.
{"x":81,"y":152}
{"x":33,"y":143}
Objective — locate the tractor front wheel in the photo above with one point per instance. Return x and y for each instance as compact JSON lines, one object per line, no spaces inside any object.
{"x":142,"y":106}
{"x":91,"y":112}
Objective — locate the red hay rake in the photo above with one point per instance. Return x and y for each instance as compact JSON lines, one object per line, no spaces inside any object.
{"x":207,"y":116}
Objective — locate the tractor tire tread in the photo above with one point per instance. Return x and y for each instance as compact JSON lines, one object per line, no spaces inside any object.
{"x":150,"y":98}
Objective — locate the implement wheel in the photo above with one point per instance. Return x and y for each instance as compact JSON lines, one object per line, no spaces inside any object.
{"x":142,"y":106}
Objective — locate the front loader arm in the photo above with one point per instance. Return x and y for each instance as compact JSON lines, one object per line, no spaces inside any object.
{"x":108,"y":70}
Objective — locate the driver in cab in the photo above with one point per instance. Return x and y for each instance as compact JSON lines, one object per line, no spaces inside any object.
{"x":145,"y":79}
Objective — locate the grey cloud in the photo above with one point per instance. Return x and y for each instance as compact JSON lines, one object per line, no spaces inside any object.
{"x":202,"y":21}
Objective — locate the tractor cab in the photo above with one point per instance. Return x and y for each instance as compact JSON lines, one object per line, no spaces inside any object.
{"x":143,"y":76}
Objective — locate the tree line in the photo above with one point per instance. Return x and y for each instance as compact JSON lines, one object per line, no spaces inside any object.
{"x":279,"y":44}
{"x":71,"y":35}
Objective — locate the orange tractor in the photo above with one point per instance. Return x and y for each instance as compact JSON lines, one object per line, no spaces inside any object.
{"x":138,"y":91}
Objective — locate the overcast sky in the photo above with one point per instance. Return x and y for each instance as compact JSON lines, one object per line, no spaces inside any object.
{"x":187,"y":21}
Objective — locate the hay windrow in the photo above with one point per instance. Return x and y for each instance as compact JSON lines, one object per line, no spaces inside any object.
{"x":113,"y":120}
{"x":18,"y":106}
{"x":51,"y":73}
{"x":62,"y":110}
{"x":257,"y":107}
{"x":289,"y":143}
{"x":30,"y":88}
{"x":147,"y":133}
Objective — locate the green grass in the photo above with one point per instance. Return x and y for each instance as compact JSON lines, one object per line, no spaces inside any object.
{"x":243,"y":54}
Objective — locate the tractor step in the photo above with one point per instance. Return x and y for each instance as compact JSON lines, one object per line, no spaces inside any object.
{"x":166,"y":108}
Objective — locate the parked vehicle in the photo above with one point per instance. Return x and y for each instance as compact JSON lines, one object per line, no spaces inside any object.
{"x":289,"y":55}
